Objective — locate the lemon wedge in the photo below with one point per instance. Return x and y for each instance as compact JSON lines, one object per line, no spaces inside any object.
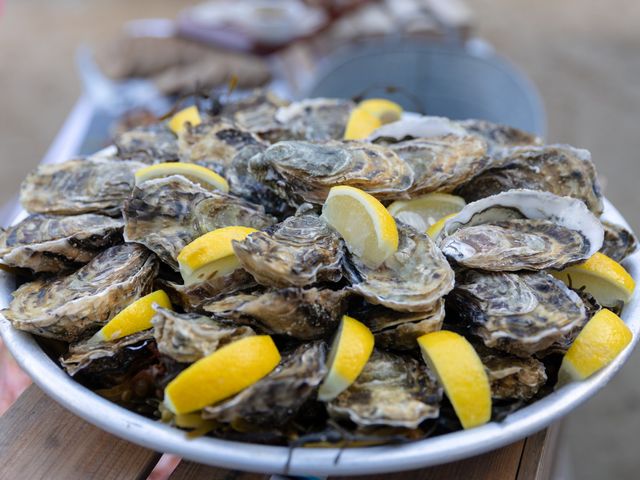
{"x":211,"y":255}
{"x":196,"y":173}
{"x":134,"y":318}
{"x":602,"y":277}
{"x":434,"y":230}
{"x":385,"y":110}
{"x":361,"y":124}
{"x":424,"y":211}
{"x":186,"y":115}
{"x":599,"y":342}
{"x":350,"y":351}
{"x":221,"y":374}
{"x":367,"y":227}
{"x":461,"y":374}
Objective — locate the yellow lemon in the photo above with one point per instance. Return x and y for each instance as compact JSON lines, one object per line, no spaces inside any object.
{"x":196,"y":173}
{"x":386,"y":110}
{"x":184,"y":116}
{"x":424,"y":211}
{"x":360,"y":124}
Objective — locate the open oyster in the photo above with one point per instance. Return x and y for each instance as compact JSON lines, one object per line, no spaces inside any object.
{"x":559,"y":169}
{"x":187,"y":337}
{"x":168,"y":213}
{"x":521,"y":230}
{"x":392,"y":390}
{"x":48,"y":243}
{"x":521,"y":313}
{"x":275,"y":399}
{"x":154,"y":143}
{"x":619,"y":242}
{"x":79,"y":186}
{"x":300,"y":313}
{"x":412,"y":280}
{"x":68,"y":307}
{"x":301,"y":251}
{"x":305,"y":172}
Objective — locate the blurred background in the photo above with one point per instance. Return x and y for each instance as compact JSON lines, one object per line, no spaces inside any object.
{"x":581,"y":55}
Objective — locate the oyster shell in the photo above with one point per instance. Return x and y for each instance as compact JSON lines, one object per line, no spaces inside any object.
{"x":513,"y":377}
{"x":417,"y":126}
{"x":168,"y":213}
{"x":68,"y":307}
{"x":187,"y":337}
{"x":443,"y":163}
{"x":277,"y":398}
{"x":559,"y":169}
{"x":522,"y":313}
{"x":301,"y":251}
{"x":154,"y":143}
{"x":315,"y":119}
{"x":412,"y":280}
{"x":256,"y":113}
{"x":79,"y":186}
{"x":300,"y":313}
{"x":499,"y":136}
{"x":392,"y":390}
{"x":521,"y":230}
{"x":48,"y":243}
{"x":305,"y":172}
{"x":619,"y":242}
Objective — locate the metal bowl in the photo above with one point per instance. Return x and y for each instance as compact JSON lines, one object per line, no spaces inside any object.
{"x":308,"y":461}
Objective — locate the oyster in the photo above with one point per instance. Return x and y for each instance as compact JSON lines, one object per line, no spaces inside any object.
{"x":315,"y":119}
{"x":48,"y":243}
{"x":559,"y":169}
{"x":619,"y":242}
{"x":154,"y":143}
{"x":256,"y":113}
{"x":187,"y":337}
{"x":521,"y":230}
{"x":79,"y":186}
{"x":417,"y":126}
{"x":499,"y":136}
{"x":412,"y":280}
{"x":512,"y":377}
{"x":168,"y":213}
{"x":68,"y":307}
{"x":301,"y":251}
{"x":443,"y":163}
{"x":521,"y":313}
{"x":276,"y":398}
{"x":392,"y":390}
{"x":300,"y":313}
{"x":305,"y":172}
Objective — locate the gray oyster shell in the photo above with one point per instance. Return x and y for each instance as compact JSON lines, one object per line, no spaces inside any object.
{"x":559,"y":169}
{"x":392,"y":390}
{"x":277,"y":398}
{"x":513,"y":378}
{"x":256,"y":113}
{"x":522,"y":313}
{"x":188,"y":337}
{"x":440,"y":164}
{"x":315,"y":119}
{"x":619,"y":242}
{"x":68,"y":307}
{"x":168,"y":213}
{"x":48,"y":243}
{"x":499,"y":136}
{"x":148,"y":144}
{"x":79,"y":186}
{"x":301,"y":251}
{"x":412,"y":280}
{"x":304,"y":314}
{"x":305,"y":172}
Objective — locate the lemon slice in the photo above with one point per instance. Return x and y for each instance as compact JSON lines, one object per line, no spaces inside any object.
{"x":602,"y":277}
{"x":386,"y":110}
{"x":461,"y":374}
{"x":361,"y":124}
{"x":367,"y":227}
{"x":434,"y":230}
{"x":599,"y":342}
{"x":211,"y":255}
{"x":422,"y":212}
{"x":196,"y":173}
{"x":350,"y":351}
{"x":184,"y":116}
{"x":134,"y":318}
{"x":221,"y":374}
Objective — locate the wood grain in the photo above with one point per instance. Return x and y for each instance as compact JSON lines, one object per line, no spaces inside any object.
{"x":539,"y":455}
{"x":195,"y":471}
{"x":41,"y":440}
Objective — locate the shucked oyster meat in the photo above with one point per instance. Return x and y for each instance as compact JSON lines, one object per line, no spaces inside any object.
{"x":49,"y":243}
{"x":68,"y":307}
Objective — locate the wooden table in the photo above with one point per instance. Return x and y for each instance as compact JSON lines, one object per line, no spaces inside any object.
{"x":41,"y":440}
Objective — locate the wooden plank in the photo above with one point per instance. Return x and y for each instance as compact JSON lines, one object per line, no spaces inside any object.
{"x":538,"y":455}
{"x":40,"y":439}
{"x":195,"y":471}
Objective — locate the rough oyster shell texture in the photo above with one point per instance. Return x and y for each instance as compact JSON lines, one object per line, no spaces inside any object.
{"x":512,"y":377}
{"x":315,"y":119}
{"x":148,"y":144}
{"x":619,"y":242}
{"x":48,"y":243}
{"x":68,"y":307}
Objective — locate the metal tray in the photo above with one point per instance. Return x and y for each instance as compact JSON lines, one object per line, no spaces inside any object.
{"x":306,"y":461}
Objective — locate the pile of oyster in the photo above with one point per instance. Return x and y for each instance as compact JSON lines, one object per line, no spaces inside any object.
{"x":94,"y":241}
